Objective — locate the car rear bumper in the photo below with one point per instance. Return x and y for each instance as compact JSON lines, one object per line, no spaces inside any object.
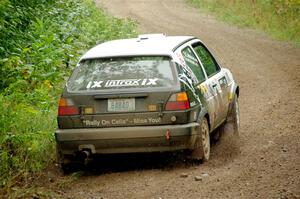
{"x":127,"y":139}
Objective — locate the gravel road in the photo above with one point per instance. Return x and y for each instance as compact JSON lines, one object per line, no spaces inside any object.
{"x":263,"y":163}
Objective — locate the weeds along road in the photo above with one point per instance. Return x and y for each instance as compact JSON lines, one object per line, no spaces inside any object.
{"x":265,"y":161}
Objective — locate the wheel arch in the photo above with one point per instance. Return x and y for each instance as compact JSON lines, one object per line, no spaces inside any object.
{"x":237,"y":91}
{"x":208,"y":121}
{"x":204,"y":114}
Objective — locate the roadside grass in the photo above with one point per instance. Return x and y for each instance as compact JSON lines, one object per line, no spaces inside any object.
{"x":280,"y":19}
{"x":40,"y":43}
{"x":45,"y":187}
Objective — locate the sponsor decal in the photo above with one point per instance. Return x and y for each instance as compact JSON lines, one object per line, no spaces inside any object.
{"x":192,"y":104}
{"x":94,"y":84}
{"x":230,"y":96}
{"x":180,"y":58}
{"x":204,"y":90}
{"x":118,"y":122}
{"x":186,"y":69}
{"x":122,"y":83}
{"x":188,"y":82}
{"x":195,"y":115}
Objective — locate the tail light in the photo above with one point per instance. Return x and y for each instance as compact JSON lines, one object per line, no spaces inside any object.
{"x":66,"y":107}
{"x":178,"y":101}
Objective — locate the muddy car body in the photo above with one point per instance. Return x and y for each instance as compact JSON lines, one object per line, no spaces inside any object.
{"x":146,"y":94}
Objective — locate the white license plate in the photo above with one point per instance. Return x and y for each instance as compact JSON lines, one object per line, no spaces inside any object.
{"x":121,"y":105}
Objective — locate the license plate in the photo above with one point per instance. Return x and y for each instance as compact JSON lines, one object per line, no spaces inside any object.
{"x":121,"y":105}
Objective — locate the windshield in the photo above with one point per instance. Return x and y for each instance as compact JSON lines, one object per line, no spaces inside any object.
{"x":120,"y":73}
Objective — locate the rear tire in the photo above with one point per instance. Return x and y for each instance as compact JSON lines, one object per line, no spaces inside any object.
{"x":63,"y":166}
{"x":202,"y":144}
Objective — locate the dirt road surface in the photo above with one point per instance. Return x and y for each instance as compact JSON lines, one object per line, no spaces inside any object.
{"x":263,"y":163}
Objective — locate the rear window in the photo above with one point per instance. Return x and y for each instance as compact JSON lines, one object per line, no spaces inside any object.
{"x":122,"y":73}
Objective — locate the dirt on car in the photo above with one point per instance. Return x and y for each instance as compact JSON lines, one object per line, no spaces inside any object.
{"x":264,"y":162}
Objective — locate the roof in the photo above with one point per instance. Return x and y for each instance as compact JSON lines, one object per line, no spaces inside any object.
{"x":154,"y":44}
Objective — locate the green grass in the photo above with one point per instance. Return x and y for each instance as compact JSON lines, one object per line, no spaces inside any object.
{"x":280,"y":18}
{"x":40,"y":43}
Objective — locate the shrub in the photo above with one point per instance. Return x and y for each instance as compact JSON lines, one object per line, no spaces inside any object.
{"x":40,"y":42}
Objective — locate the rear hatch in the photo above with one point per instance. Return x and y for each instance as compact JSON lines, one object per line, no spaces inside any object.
{"x":122,"y":91}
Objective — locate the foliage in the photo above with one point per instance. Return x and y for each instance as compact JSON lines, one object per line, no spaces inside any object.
{"x":279,"y":18}
{"x":40,"y":42}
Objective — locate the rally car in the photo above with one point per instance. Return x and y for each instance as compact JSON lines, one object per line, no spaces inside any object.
{"x":153,"y":93}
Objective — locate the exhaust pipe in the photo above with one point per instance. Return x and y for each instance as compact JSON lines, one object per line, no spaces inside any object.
{"x":83,"y":155}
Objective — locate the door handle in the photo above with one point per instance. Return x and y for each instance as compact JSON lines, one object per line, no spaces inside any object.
{"x":215,"y":88}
